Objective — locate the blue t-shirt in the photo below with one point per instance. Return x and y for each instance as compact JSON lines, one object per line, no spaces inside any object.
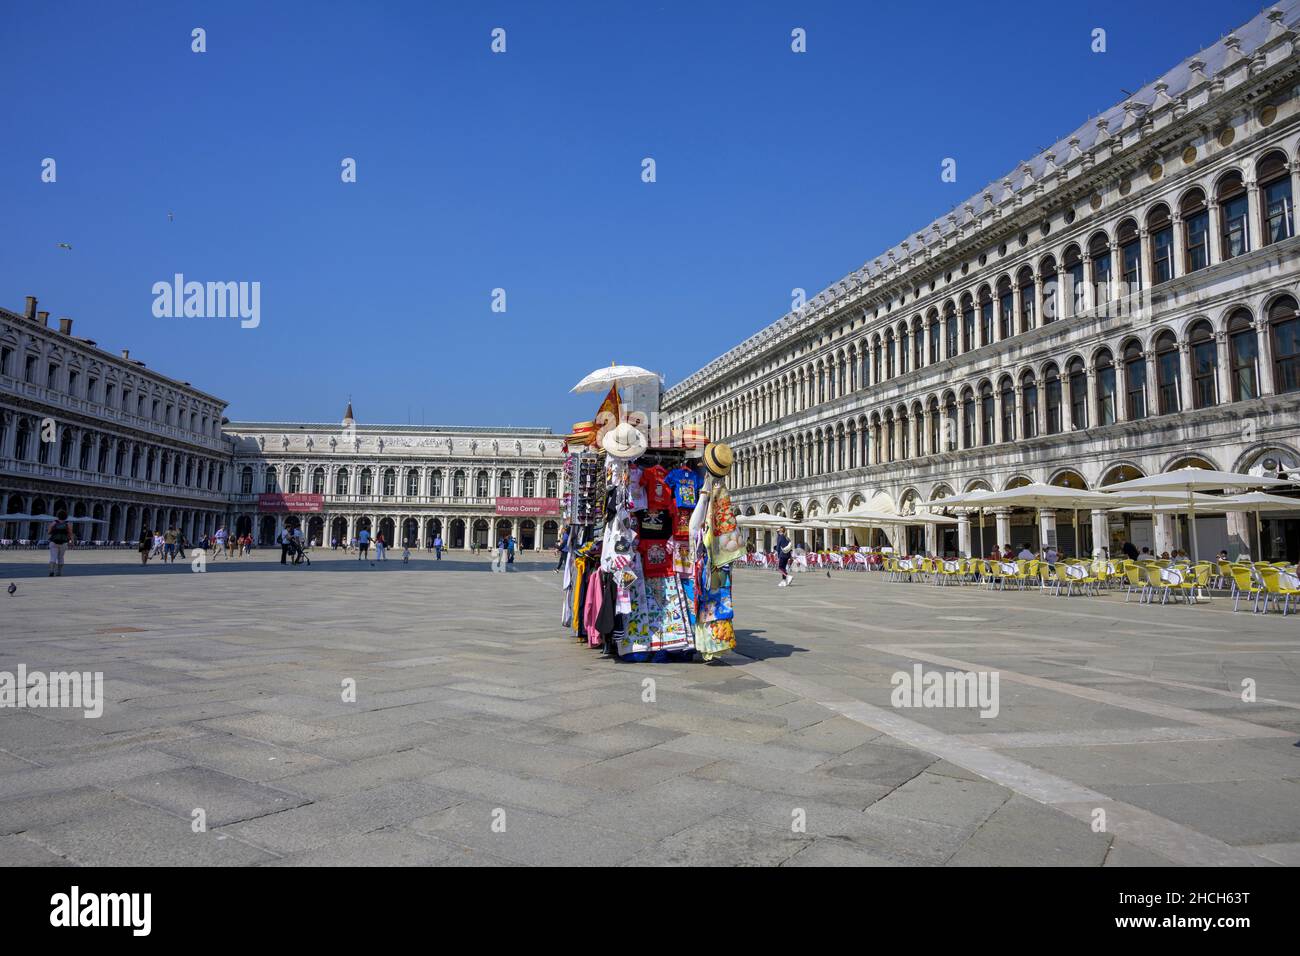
{"x":364,"y":537}
{"x":686,"y":486}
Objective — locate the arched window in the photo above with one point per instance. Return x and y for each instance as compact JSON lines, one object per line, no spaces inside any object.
{"x":903,"y":353}
{"x":295,"y":480}
{"x":988,"y":415}
{"x":23,"y":438}
{"x":1102,"y":267}
{"x":1047,"y":272}
{"x":390,"y":482}
{"x":529,"y":489}
{"x":950,"y":331}
{"x":552,"y":485}
{"x":435,"y":483}
{"x":934,"y":337}
{"x":986,"y":315}
{"x":412,"y":483}
{"x":936,"y":429}
{"x":271,"y":485}
{"x":1234,"y":216}
{"x":1006,"y":309}
{"x":341,"y":482}
{"x":1130,"y":256}
{"x":1029,"y":405}
{"x":367,"y":482}
{"x":1074,"y":296}
{"x":1105,"y":388}
{"x":950,"y":413}
{"x":890,"y":352}
{"x":1052,"y":388}
{"x":918,"y":343}
{"x":65,"y":448}
{"x":246,"y":481}
{"x":968,"y":419}
{"x":1160,"y":233}
{"x":481,"y":486}
{"x":1078,"y":394}
{"x":318,"y":481}
{"x":1026,"y":282}
{"x":1274,"y":180}
{"x":1168,"y":374}
{"x":967,"y":324}
{"x":1135,"y":377}
{"x":1008,"y":395}
{"x":458,"y":484}
{"x":505,"y":484}
{"x":1196,"y":228}
{"x":1205,"y":366}
{"x":1243,"y":353}
{"x":1284,"y":330}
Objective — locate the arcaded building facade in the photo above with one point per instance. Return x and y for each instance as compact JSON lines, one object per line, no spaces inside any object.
{"x":1119,"y":305}
{"x":468,"y":485}
{"x":102,"y":436}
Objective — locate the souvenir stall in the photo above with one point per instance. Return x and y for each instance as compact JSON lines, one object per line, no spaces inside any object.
{"x":650,"y":534}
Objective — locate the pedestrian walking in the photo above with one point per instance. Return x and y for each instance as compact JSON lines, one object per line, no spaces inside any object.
{"x":437,"y":547}
{"x":363,"y":545}
{"x":784,"y":547}
{"x":563,"y":550}
{"x":380,"y":544}
{"x":145,"y":545}
{"x":406,"y":553}
{"x":169,"y":543}
{"x":510,"y":553}
{"x":61,"y":538}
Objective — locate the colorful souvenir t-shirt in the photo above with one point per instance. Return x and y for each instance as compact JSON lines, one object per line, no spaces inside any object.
{"x":635,"y":490}
{"x":685,"y":485}
{"x":657,"y":493}
{"x":656,"y":559}
{"x":682,"y":526}
{"x":656,"y":525}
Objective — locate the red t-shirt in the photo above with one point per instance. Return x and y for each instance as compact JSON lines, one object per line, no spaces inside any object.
{"x":656,"y":559}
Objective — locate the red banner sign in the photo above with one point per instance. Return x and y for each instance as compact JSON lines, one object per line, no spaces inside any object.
{"x":528,"y":506}
{"x":283,"y":504}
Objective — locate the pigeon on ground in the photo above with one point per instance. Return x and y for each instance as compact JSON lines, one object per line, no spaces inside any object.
{"x":12,"y":587}
{"x":65,"y":245}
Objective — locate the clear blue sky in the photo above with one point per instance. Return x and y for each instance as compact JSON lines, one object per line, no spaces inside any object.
{"x":520,"y":171}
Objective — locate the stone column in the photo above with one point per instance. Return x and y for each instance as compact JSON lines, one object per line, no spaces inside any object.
{"x":1213,"y":243}
{"x":1241,"y":535}
{"x":963,"y":534}
{"x":1256,"y":214}
{"x":1100,"y":533}
{"x":1002,"y":518}
{"x":1046,"y":528}
{"x":1176,"y":264}
{"x":1265,"y":360}
{"x":1093,"y":399}
{"x":1017,"y":308}
{"x":1185,"y":396}
{"x":1144,"y":248}
{"x":1223,"y":370}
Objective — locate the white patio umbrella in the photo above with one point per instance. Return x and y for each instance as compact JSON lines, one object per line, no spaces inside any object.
{"x":601,"y":379}
{"x":1256,"y":501}
{"x":1260,"y":501}
{"x":1190,"y":480}
{"x":1039,"y":495}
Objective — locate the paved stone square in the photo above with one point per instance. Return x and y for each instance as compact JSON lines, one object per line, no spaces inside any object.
{"x":475,"y":710}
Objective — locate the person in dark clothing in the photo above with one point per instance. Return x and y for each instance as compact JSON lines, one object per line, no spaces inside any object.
{"x":563,"y":549}
{"x":285,"y":547}
{"x":1130,"y":551}
{"x":784,"y":547}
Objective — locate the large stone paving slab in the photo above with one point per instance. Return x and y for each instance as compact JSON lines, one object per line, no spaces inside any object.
{"x":480,"y":734}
